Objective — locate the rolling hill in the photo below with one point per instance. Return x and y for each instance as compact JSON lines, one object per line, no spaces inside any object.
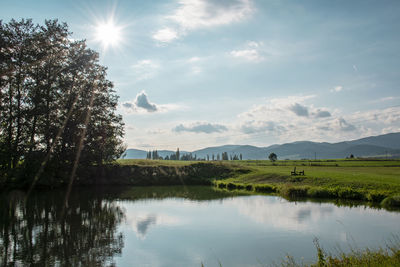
{"x":387,"y":145}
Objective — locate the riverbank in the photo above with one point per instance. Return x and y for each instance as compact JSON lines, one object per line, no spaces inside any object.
{"x":376,"y":181}
{"x":133,"y":173}
{"x":389,"y":256}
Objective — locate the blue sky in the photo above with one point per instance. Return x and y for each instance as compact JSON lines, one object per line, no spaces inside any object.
{"x":197,"y":73}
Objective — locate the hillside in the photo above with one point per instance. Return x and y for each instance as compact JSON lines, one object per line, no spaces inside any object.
{"x":387,"y":145}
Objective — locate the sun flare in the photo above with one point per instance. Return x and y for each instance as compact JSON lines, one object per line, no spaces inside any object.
{"x":108,"y":34}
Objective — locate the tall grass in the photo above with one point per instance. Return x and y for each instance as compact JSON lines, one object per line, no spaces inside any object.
{"x":291,"y":191}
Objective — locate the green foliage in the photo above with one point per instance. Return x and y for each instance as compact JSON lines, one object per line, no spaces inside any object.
{"x":349,"y":193}
{"x":321,"y":192}
{"x":293,"y":192}
{"x":392,"y":201}
{"x":335,"y":179}
{"x":264,"y":188}
{"x":55,"y":101}
{"x":273,"y":157}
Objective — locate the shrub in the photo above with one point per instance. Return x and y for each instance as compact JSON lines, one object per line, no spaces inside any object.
{"x":393,"y":201}
{"x":221,"y":185}
{"x":249,"y":187}
{"x":376,"y":196}
{"x":231,"y":186}
{"x":265,"y":188}
{"x":349,"y":193}
{"x":293,"y":192}
{"x":240,"y":186}
{"x":320,"y":192}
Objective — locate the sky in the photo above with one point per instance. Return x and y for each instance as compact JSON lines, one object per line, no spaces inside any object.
{"x":199,"y":73}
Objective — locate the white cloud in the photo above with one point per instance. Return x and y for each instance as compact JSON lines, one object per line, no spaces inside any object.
{"x":343,"y":125}
{"x":251,"y":52}
{"x":193,"y":14}
{"x":282,"y":214}
{"x":141,"y":104}
{"x":337,"y":89}
{"x":257,"y":126}
{"x":145,"y":69}
{"x":280,"y":118}
{"x":247,"y":54}
{"x":194,"y":59}
{"x":385,"y":99}
{"x":196,"y":14}
{"x":201,"y":127}
{"x":142,"y":222}
{"x":165,"y":35}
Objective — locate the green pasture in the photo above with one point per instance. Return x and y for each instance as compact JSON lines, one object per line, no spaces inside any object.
{"x":370,"y":180}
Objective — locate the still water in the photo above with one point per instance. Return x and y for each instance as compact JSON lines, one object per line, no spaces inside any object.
{"x":179,"y":226}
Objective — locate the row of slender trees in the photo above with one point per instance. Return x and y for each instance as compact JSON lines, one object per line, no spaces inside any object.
{"x":153,"y":154}
{"x":57,"y":106}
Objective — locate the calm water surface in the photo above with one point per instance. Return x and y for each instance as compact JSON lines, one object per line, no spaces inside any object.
{"x":179,"y":226}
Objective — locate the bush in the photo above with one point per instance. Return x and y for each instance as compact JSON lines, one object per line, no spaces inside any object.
{"x":265,"y":188}
{"x":349,"y":193}
{"x":249,"y":187}
{"x":231,"y":186}
{"x":393,"y":201}
{"x":293,"y":192}
{"x":240,"y":186}
{"x":221,"y":185}
{"x":376,"y":196}
{"x":320,"y":192}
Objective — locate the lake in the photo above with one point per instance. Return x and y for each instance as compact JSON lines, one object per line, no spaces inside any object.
{"x":179,"y":226}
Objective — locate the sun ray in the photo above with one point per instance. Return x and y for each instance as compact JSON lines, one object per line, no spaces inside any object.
{"x":108,"y":34}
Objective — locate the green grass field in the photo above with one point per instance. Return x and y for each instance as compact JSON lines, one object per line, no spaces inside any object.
{"x":370,"y":180}
{"x":382,"y":175}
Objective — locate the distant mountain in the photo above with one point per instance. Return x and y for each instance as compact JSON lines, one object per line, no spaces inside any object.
{"x":373,"y":146}
{"x":390,"y":140}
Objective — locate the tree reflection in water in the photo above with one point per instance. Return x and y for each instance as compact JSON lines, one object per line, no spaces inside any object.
{"x":37,"y":233}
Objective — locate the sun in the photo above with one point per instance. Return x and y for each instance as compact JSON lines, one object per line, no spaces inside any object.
{"x":108,"y":33}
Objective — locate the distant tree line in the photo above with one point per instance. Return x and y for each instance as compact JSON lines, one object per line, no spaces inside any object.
{"x":57,"y":106}
{"x":153,"y":154}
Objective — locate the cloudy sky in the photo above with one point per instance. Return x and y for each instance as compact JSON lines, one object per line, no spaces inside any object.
{"x":197,"y":73}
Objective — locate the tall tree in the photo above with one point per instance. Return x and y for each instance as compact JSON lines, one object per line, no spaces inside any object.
{"x":55,"y":101}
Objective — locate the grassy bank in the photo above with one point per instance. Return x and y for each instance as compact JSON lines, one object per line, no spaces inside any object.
{"x":389,"y":256}
{"x":375,"y":181}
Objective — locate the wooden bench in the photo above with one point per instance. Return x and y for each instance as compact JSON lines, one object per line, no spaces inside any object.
{"x":297,"y":173}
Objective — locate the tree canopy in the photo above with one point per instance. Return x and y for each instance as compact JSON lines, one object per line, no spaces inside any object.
{"x":56,"y":103}
{"x":273,"y":157}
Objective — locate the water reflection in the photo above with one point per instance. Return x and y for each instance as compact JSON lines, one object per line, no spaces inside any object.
{"x":280,"y":213}
{"x":39,"y":234}
{"x":177,"y":226}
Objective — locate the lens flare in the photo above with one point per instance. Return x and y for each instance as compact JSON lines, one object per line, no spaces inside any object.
{"x":108,"y":33}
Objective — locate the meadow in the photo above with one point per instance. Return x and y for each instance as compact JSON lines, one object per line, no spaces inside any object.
{"x":377,"y":181}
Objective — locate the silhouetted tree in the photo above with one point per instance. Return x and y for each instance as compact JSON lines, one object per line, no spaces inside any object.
{"x":55,"y":101}
{"x":273,"y":157}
